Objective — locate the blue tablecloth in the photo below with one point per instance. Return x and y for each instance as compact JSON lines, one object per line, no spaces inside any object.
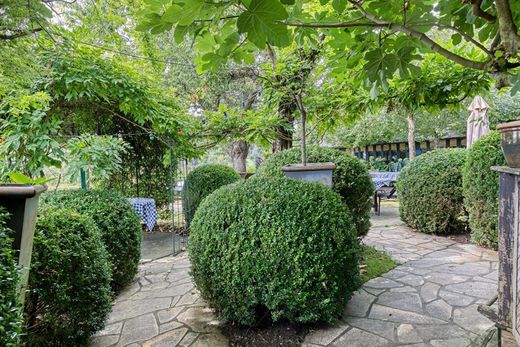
{"x":146,"y":209}
{"x":381,"y":179}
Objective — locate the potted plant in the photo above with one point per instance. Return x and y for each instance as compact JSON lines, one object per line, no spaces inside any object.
{"x":510,"y":140}
{"x":314,"y":172}
{"x":20,"y":200}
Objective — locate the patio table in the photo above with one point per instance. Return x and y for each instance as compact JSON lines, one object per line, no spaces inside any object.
{"x":382,"y":179}
{"x":146,"y":210}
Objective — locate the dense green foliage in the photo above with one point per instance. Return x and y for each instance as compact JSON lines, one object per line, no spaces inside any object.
{"x":10,"y":313}
{"x":481,"y":188}
{"x":285,"y":246}
{"x":350,"y":178}
{"x":118,"y":223}
{"x":384,"y":38}
{"x":203,"y":181}
{"x":430,"y":192}
{"x":69,"y":282}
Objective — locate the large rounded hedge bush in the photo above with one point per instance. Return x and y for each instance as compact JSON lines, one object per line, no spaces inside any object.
{"x":201,"y":182}
{"x":10,"y":313}
{"x":481,"y":188}
{"x":119,"y":225}
{"x":69,"y":283}
{"x":273,"y":244}
{"x":350,"y":179}
{"x":430,"y":192}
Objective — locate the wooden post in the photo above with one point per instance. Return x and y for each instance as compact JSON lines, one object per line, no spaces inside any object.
{"x":508,"y":251}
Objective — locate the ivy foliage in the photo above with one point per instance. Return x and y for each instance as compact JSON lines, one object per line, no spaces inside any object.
{"x":280,"y":246}
{"x":481,"y":188}
{"x":69,"y":298}
{"x":119,"y":225}
{"x":350,"y":179}
{"x":10,"y":310}
{"x":201,"y":182}
{"x":430,"y":192}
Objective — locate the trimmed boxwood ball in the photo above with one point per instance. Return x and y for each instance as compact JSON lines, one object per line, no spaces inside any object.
{"x":275,"y":245}
{"x":430,"y":192}
{"x":350,"y":178}
{"x":69,"y":282}
{"x":119,"y":225}
{"x":10,"y":313}
{"x":203,"y":181}
{"x":481,"y":188}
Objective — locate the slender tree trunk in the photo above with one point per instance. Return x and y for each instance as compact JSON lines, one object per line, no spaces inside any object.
{"x":411,"y":135}
{"x":238,"y":152}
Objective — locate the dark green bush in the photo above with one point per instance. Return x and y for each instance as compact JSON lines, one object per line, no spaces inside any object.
{"x":69,"y":283}
{"x":10,"y":313}
{"x":119,"y":225}
{"x":203,"y":181}
{"x":430,"y":192}
{"x":351,"y":179}
{"x":273,"y":244}
{"x":481,"y":188}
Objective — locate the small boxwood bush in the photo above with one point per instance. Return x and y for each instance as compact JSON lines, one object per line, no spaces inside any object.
{"x":119,"y":225}
{"x":350,"y":179}
{"x":285,"y":247}
{"x":481,"y":188}
{"x":201,"y":182}
{"x":430,"y":192}
{"x":69,"y":282}
{"x":10,"y":313}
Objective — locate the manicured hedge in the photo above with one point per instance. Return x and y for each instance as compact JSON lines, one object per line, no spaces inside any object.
{"x":430,"y":192}
{"x":481,"y":188}
{"x":70,"y":295}
{"x":350,"y":179}
{"x":201,"y":182}
{"x":119,"y":225}
{"x":273,"y":244}
{"x":10,"y":312}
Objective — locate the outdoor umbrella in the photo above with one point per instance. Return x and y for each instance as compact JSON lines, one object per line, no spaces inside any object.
{"x":478,"y":122}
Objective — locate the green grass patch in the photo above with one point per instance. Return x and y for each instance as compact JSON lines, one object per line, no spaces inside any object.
{"x":374,"y":263}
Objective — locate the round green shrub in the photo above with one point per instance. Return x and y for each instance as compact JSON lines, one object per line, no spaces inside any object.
{"x":481,"y":188}
{"x":203,"y":181}
{"x":430,"y":192}
{"x":275,"y":245}
{"x":10,"y":313}
{"x":350,"y":179}
{"x":119,"y":225}
{"x":69,"y":282}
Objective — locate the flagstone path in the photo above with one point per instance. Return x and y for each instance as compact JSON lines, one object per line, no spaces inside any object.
{"x":429,"y":300}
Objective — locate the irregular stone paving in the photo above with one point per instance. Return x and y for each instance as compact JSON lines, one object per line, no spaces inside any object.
{"x":429,"y":300}
{"x":161,"y":308}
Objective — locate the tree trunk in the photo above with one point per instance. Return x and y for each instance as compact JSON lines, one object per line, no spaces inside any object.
{"x":238,"y":152}
{"x":507,"y":27}
{"x":284,"y":134}
{"x":411,"y":135}
{"x":437,"y":142}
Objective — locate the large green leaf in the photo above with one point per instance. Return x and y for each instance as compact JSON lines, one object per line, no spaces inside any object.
{"x":260,"y":22}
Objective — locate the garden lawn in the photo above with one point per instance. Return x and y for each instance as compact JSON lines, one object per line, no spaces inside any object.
{"x":374,"y":263}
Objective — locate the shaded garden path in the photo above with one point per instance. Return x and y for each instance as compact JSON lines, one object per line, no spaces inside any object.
{"x":429,"y":300}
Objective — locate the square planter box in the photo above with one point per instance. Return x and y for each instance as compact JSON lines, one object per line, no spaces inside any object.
{"x":21,"y":202}
{"x":312,"y":172}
